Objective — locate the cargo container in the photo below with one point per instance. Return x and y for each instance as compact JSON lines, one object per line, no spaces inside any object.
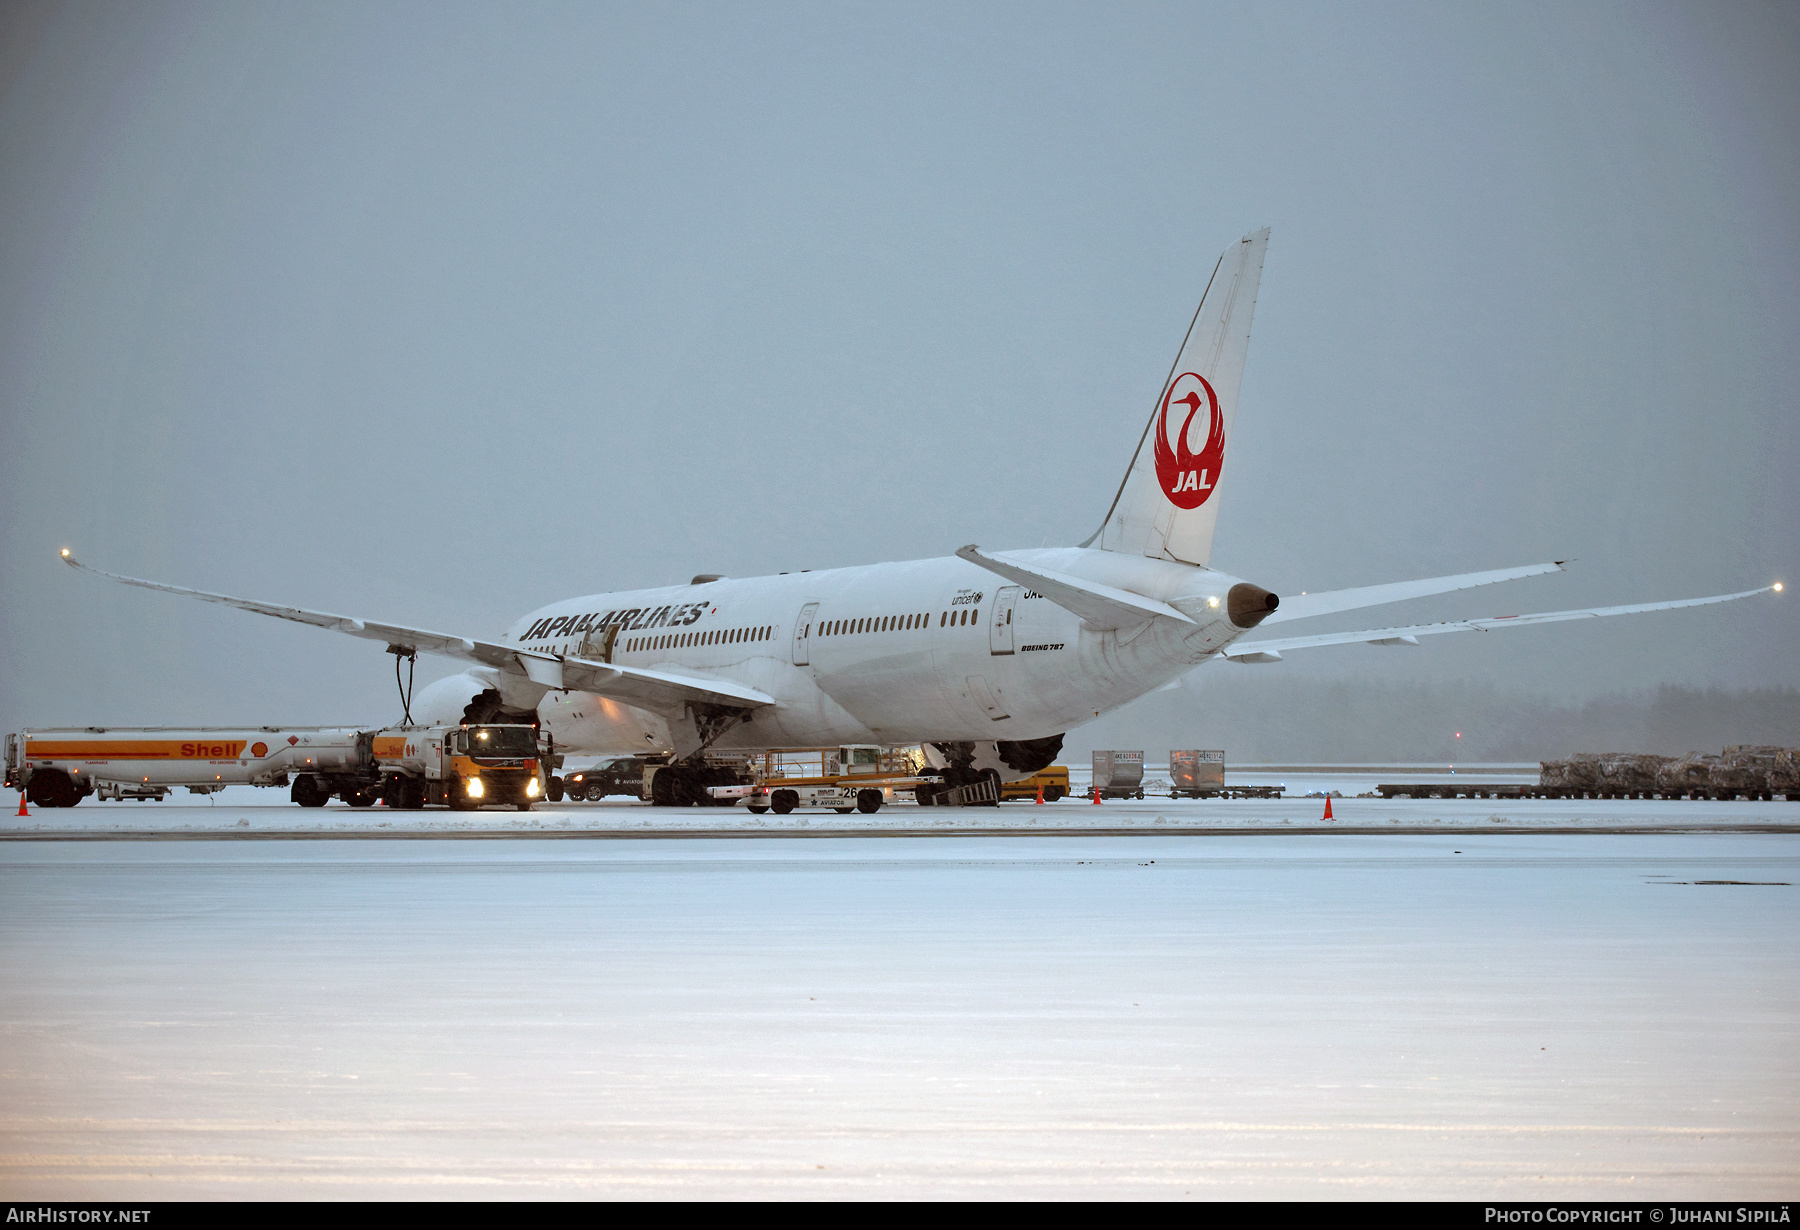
{"x":1119,"y":775}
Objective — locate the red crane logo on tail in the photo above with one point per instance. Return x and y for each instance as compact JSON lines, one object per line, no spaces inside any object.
{"x":1188,"y":478}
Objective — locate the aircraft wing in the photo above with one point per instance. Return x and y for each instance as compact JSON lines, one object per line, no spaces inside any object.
{"x":1271,"y":650}
{"x":1303,"y":606}
{"x":653,"y":689}
{"x":644,"y":688}
{"x":1101,"y":606}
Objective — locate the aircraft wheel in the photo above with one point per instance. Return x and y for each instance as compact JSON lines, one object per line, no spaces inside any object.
{"x":669,"y":788}
{"x":868,"y":801}
{"x":784,"y":801}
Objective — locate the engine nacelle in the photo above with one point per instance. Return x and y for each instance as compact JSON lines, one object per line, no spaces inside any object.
{"x":469,"y":697}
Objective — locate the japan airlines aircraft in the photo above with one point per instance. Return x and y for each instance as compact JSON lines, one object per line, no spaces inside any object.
{"x":986,"y":658}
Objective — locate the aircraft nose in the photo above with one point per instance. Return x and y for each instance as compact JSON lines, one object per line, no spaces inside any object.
{"x":1248,"y":605}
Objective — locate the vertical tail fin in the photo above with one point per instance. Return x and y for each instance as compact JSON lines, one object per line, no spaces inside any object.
{"x":1168,"y":504}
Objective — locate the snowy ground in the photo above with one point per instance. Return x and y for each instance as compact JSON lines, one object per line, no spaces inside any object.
{"x":1473,"y":1013}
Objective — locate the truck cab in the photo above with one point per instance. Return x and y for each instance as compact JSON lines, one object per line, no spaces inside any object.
{"x":488,"y":764}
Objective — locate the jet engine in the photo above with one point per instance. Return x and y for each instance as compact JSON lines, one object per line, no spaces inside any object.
{"x":467,"y":697}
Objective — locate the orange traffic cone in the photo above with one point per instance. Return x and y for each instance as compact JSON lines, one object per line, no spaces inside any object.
{"x":22,"y":810}
{"x":1040,"y":792}
{"x":1096,"y":796}
{"x":1327,"y":815}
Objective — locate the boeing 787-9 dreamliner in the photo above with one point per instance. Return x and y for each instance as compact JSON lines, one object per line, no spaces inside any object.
{"x":984,"y":657}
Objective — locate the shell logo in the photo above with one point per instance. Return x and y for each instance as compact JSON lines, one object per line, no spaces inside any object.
{"x":259,"y":750}
{"x":1188,"y":478}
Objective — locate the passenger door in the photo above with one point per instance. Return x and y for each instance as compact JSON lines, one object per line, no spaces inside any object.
{"x":803,"y":634}
{"x":1000,"y":631}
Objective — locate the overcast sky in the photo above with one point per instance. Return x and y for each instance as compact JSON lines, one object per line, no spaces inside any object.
{"x":435,"y":313}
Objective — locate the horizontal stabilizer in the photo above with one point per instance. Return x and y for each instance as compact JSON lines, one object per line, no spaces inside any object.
{"x":1099,"y":606}
{"x":1271,"y":650}
{"x":663,"y":691}
{"x":1304,"y":606}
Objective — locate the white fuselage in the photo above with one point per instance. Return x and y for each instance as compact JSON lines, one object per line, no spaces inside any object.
{"x":921,"y":650}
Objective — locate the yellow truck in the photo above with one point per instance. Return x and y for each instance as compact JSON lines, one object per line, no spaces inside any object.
{"x":1054,"y":781}
{"x":464,"y":767}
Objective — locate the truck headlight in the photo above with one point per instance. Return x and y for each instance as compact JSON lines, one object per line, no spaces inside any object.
{"x":475,"y":791}
{"x":531,"y":788}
